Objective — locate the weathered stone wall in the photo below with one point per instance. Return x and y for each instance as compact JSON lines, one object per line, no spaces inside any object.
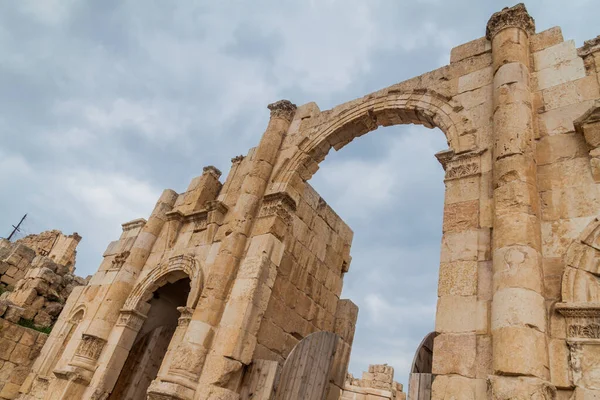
{"x":377,"y":384}
{"x":53,"y":244}
{"x":36,"y":283}
{"x":308,"y":286}
{"x":19,"y":347}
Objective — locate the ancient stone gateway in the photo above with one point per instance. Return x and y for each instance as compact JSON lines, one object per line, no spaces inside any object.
{"x":263,"y":255}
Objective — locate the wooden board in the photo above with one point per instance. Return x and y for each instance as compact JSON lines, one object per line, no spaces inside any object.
{"x":419,"y":386}
{"x":306,"y":372}
{"x":260,"y":380}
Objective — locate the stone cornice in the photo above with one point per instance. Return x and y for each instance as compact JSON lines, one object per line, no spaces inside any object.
{"x":589,"y":47}
{"x":510,"y":17}
{"x":282,"y":109}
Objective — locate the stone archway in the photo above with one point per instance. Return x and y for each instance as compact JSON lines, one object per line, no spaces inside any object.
{"x":386,"y":108}
{"x":175,"y":268}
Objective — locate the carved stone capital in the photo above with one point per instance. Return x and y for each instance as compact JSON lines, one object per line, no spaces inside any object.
{"x":119,"y":260}
{"x":583,"y":320}
{"x":282,"y":109}
{"x":210,"y":169}
{"x":185,"y":315}
{"x":131,"y":319}
{"x":461,"y":165}
{"x":280,"y":204}
{"x":510,"y":17}
{"x":237,"y":159}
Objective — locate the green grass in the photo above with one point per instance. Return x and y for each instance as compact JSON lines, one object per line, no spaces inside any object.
{"x":27,"y":323}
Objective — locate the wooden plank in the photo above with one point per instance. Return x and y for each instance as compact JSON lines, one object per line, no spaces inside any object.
{"x":306,"y":372}
{"x":419,"y":386}
{"x":259,"y":380}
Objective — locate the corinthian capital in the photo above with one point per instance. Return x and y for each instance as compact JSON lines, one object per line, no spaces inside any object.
{"x":282,"y":109}
{"x":513,"y":17}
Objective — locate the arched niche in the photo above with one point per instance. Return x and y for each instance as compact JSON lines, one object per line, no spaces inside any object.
{"x":338,"y":127}
{"x":177,"y":267}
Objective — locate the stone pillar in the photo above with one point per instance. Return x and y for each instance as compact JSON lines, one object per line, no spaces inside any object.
{"x":100,"y":353}
{"x":518,"y":309}
{"x":184,"y":371}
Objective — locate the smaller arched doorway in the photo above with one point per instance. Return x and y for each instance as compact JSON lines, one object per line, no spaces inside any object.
{"x":152,"y":341}
{"x":421,"y":376}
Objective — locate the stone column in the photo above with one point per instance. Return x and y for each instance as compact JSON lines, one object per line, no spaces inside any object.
{"x":518,"y":308}
{"x":99,"y":356}
{"x":190,"y":357}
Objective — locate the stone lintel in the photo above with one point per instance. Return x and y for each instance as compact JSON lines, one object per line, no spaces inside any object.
{"x":136,"y":223}
{"x":510,"y":17}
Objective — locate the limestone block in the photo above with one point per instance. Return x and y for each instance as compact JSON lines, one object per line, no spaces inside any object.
{"x":555,"y":55}
{"x":470,"y":49}
{"x":13,"y":313}
{"x":10,"y":391}
{"x":517,"y":228}
{"x":458,"y":278}
{"x":458,"y":388}
{"x":475,"y":80}
{"x":565,"y":173}
{"x":520,"y":350}
{"x":20,"y":354}
{"x":517,"y":266}
{"x":551,"y":149}
{"x":512,"y":387}
{"x":545,"y":39}
{"x":6,"y":348}
{"x":464,"y":189}
{"x":566,"y":71}
{"x":456,"y":314}
{"x":558,"y":357}
{"x":455,"y":354}
{"x":459,"y":246}
{"x":518,"y":307}
{"x":585,"y":394}
{"x":571,"y":92}
{"x":461,"y":216}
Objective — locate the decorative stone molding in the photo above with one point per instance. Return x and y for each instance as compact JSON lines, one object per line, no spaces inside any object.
{"x":199,"y":219}
{"x":119,"y":260}
{"x":210,"y":169}
{"x":90,"y":347}
{"x":589,"y":126}
{"x":136,"y":223}
{"x":280,"y":204}
{"x":510,"y":17}
{"x":583,"y":319}
{"x":282,"y":109}
{"x":131,"y":319}
{"x":460,"y":166}
{"x":179,"y":264}
{"x":186,"y":316}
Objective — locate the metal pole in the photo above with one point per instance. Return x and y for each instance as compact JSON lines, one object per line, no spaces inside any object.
{"x":16,"y":228}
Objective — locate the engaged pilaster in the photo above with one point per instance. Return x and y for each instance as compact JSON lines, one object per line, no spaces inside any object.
{"x":518,"y":309}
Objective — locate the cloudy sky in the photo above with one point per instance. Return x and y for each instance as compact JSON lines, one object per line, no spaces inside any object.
{"x":105,"y":103}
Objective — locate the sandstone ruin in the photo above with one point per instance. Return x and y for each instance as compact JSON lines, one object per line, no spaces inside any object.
{"x":232,"y":290}
{"x":36,"y":278}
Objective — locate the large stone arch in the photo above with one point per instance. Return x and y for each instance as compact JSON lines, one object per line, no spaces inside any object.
{"x":346,"y":122}
{"x":175,"y":268}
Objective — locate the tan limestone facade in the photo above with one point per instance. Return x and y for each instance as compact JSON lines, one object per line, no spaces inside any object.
{"x":227,"y":277}
{"x":377,"y":384}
